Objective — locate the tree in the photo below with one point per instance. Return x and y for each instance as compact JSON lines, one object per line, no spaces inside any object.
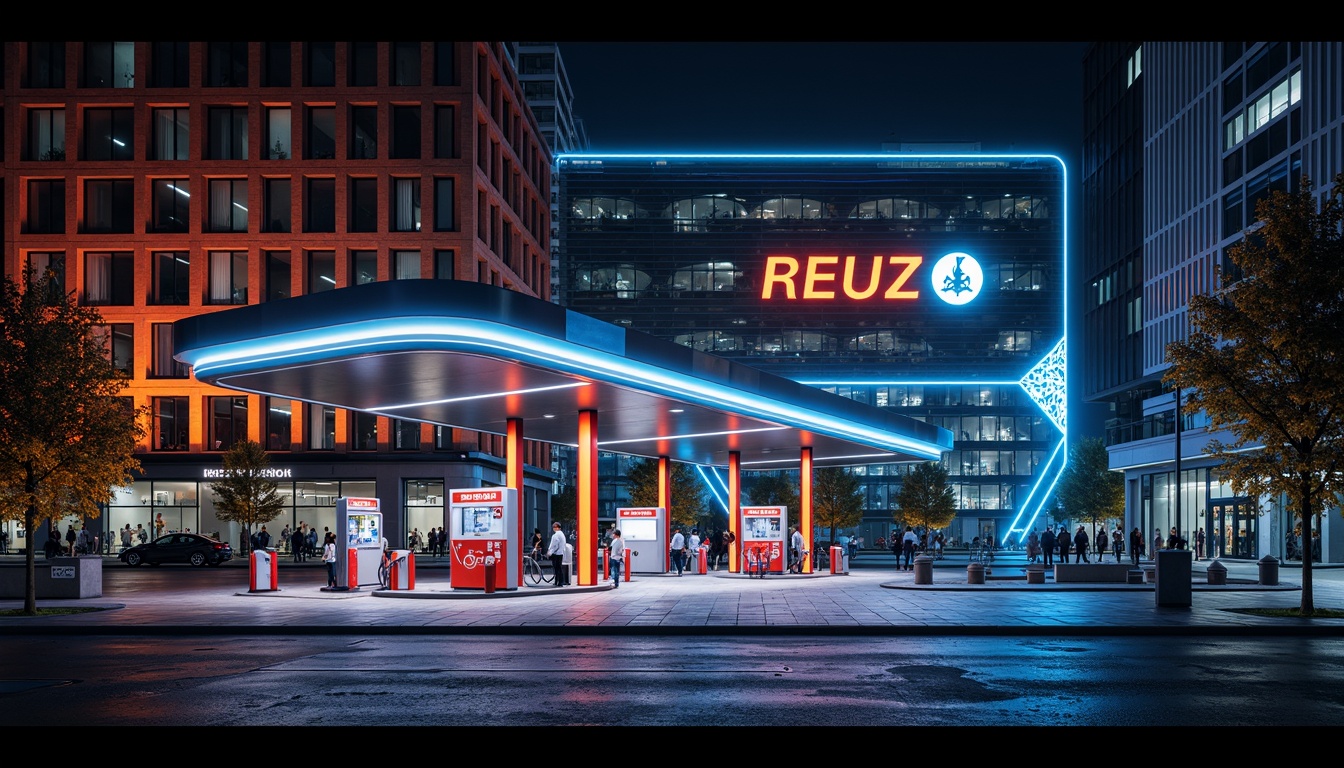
{"x":837,"y":500}
{"x":1088,"y":489}
{"x":925,"y":499}
{"x":565,"y":507}
{"x":66,"y":437}
{"x":245,"y":495}
{"x":688,"y":493}
{"x":1264,"y":358}
{"x":777,"y":489}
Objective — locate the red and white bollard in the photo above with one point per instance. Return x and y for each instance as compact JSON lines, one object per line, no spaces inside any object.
{"x":402,"y":576}
{"x":263,"y":571}
{"x":702,"y":564}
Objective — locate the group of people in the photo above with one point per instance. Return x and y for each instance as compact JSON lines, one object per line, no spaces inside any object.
{"x":302,"y":542}
{"x":435,"y":542}
{"x":904,"y":545}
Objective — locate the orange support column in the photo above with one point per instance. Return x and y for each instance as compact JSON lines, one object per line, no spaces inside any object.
{"x":734,"y":507}
{"x":805,"y":505}
{"x":513,"y":474}
{"x":585,"y":549}
{"x":665,"y":501}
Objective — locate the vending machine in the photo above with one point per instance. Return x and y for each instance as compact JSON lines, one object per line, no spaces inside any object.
{"x":645,"y":532}
{"x":361,"y":552}
{"x":764,"y":548}
{"x":483,"y":538}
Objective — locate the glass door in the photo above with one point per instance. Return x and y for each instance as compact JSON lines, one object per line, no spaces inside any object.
{"x":1233,"y":531}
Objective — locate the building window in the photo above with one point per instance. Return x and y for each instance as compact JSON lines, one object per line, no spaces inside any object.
{"x":46,"y":134}
{"x":363,"y":58}
{"x":46,"y":206}
{"x":321,"y":135}
{"x":405,"y":63}
{"x":169,"y":64}
{"x":363,"y":267}
{"x":278,"y":137}
{"x":363,"y":195}
{"x":275,"y":65}
{"x":406,"y":205}
{"x":405,"y":435}
{"x":172,"y":134}
{"x":46,"y":65}
{"x":445,"y":63}
{"x":227,"y":138}
{"x":172,"y":278}
{"x":108,"y":206}
{"x":163,"y":365}
{"x":445,"y":265}
{"x":277,"y":275}
{"x":445,"y":132}
{"x":444,"y":204}
{"x":279,"y":415}
{"x":277,"y":194}
{"x":228,"y":422}
{"x":319,"y":206}
{"x":109,"y":279}
{"x":226,"y":65}
{"x":363,"y":431}
{"x":172,"y":210}
{"x":405,"y":133}
{"x":319,"y":64}
{"x":228,"y":205}
{"x":405,"y":265}
{"x":321,"y":271}
{"x":321,"y":427}
{"x":109,"y":133}
{"x":118,"y":343}
{"x":228,"y":277}
{"x":109,"y":65}
{"x":171,"y":419}
{"x":50,"y":265}
{"x":363,"y":133}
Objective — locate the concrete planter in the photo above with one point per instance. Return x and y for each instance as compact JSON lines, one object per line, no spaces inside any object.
{"x":60,"y":578}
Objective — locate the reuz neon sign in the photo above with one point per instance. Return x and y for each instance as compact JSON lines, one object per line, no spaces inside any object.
{"x":956,"y":277}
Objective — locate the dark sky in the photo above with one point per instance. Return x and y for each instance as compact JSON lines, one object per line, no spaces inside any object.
{"x":827,"y":96}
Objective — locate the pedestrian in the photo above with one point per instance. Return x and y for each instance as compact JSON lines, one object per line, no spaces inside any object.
{"x":1117,"y":543}
{"x":1080,"y":546}
{"x":442,"y":540}
{"x":1101,"y":545}
{"x":263,"y":539}
{"x":4,"y":541}
{"x":1048,"y":546}
{"x":70,"y":538}
{"x":1062,"y":541}
{"x":1157,"y":541}
{"x":536,"y":542}
{"x":126,"y":535}
{"x":312,"y":542}
{"x":1135,"y":546}
{"x":694,"y":549}
{"x":1174,"y":540}
{"x":53,"y":547}
{"x":141,"y":535}
{"x":299,"y":542}
{"x":329,"y":557}
{"x":1199,"y":544}
{"x":896,"y":547}
{"x":284,"y":537}
{"x":676,"y":550}
{"x":796,"y":551}
{"x":617,"y":556}
{"x":908,"y":543}
{"x":556,"y":551}
{"x":1033,"y":545}
{"x":853,"y":547}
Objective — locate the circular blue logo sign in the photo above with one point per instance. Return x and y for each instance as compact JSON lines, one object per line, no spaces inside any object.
{"x":957,"y":278}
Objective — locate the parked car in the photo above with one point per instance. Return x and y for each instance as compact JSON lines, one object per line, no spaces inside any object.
{"x":191,"y":548}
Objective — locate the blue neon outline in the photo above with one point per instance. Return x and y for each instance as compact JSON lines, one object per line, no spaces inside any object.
{"x":720,"y":499}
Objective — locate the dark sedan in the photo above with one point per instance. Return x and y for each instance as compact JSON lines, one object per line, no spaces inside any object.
{"x":190,"y":548}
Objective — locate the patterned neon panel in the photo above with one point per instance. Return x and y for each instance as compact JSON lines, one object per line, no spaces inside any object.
{"x":1045,"y":383}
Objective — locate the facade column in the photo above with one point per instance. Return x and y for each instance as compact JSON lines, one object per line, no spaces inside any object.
{"x":665,"y":501}
{"x":734,"y":507}
{"x":805,"y":505}
{"x":585,"y":546}
{"x":513,"y":473}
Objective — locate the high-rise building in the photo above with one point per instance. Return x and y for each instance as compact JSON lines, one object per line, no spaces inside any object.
{"x":131,"y":170}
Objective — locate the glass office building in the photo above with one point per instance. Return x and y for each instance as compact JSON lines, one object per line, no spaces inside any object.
{"x":933,"y":285}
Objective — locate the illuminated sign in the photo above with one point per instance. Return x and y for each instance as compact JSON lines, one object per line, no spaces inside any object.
{"x":352,"y":502}
{"x":496,"y":495}
{"x":269,"y":472}
{"x":638,"y":512}
{"x":956,"y":278}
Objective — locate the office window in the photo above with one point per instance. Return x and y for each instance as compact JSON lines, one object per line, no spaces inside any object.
{"x":109,"y":206}
{"x":277,"y":275}
{"x":363,"y":195}
{"x":277,"y":201}
{"x":46,"y":206}
{"x":279,"y":140}
{"x":228,"y":422}
{"x":319,"y":64}
{"x":406,"y":63}
{"x":109,"y":134}
{"x":172,"y":278}
{"x":321,"y":427}
{"x":363,"y":58}
{"x":406,"y":205}
{"x":118,"y":343}
{"x":172,"y":134}
{"x":405,"y":435}
{"x":163,"y":366}
{"x":405,"y":133}
{"x":445,"y":63}
{"x":405,"y":265}
{"x":363,"y":267}
{"x":445,"y":265}
{"x":46,"y":65}
{"x":445,"y":132}
{"x":275,"y":65}
{"x":321,"y":271}
{"x":444,"y":204}
{"x":109,"y":65}
{"x":226,"y":65}
{"x":279,"y":415}
{"x":228,"y":277}
{"x":172,"y":198}
{"x":319,"y":205}
{"x":321,"y":133}
{"x":51,"y":265}
{"x":363,"y":431}
{"x":228,"y":205}
{"x":226,"y":133}
{"x":363,"y":133}
{"x":171,"y":423}
{"x":46,"y":134}
{"x":169,"y":65}
{"x":109,"y":278}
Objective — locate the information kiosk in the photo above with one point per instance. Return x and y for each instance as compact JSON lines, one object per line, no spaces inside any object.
{"x":645,"y":532}
{"x":358,"y":560}
{"x":482,"y":522}
{"x":764,"y":546}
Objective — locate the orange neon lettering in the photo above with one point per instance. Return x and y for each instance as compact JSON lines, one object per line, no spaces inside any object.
{"x":911,"y":264}
{"x":850,"y":290}
{"x":814,"y":276}
{"x":779,"y":269}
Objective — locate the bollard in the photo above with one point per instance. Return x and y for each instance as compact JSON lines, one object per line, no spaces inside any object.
{"x":923,"y":569}
{"x":1217,"y":573}
{"x":975,"y":573}
{"x":1035,"y":573}
{"x":1269,"y":571}
{"x":489,"y":574}
{"x":702,"y":562}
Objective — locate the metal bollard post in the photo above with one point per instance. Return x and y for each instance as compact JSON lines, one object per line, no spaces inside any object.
{"x":489,"y":574}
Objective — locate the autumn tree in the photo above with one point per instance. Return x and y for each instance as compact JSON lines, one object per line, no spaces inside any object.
{"x":925,"y":499}
{"x":1088,"y":490}
{"x":837,"y":501}
{"x":1264,"y":358}
{"x":67,"y":438}
{"x":689,"y":508}
{"x":245,"y":495}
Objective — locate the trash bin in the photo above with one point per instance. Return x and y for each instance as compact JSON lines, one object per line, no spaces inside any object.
{"x":839,"y":563}
{"x":923,"y":569}
{"x":489,"y":574}
{"x":975,"y":573}
{"x":1269,"y":571}
{"x":1217,"y":573}
{"x":262,"y":571}
{"x":1172,"y":577}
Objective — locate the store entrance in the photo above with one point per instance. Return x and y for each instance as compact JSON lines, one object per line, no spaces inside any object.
{"x":1233,"y":529}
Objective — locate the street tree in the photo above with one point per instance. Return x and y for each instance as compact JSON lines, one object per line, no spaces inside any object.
{"x":565,"y":507}
{"x":926,"y":499}
{"x":67,"y":437}
{"x":837,"y":501}
{"x":1088,"y":490}
{"x":777,"y":489}
{"x":1264,"y":359}
{"x":688,"y":506}
{"x":245,"y":494}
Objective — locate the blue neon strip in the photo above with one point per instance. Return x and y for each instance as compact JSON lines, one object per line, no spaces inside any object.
{"x":1026,"y":504}
{"x":709,"y":484}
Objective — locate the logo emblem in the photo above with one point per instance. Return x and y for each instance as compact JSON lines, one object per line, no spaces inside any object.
{"x":957,"y":278}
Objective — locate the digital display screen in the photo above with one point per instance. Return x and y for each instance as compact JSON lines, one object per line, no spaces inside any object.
{"x":363,"y":530}
{"x":635,"y":529}
{"x":759,"y":528}
{"x":481,"y":521}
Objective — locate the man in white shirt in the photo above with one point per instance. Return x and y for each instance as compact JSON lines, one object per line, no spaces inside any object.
{"x":674,"y":550}
{"x":694,"y":550}
{"x":617,"y":546}
{"x":556,"y":551}
{"x":796,"y":549}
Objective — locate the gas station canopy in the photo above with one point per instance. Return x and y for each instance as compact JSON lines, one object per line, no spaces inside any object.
{"x":475,"y":356}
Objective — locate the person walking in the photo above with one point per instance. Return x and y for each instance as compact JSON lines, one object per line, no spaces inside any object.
{"x":1033,"y":545}
{"x":1048,"y":546}
{"x":1118,"y":543}
{"x":1199,"y":545}
{"x":1157,"y":541}
{"x":1080,"y":546}
{"x":285,"y":533}
{"x":556,"y":551}
{"x":1135,"y":546}
{"x":329,"y":557}
{"x":1062,"y":541}
{"x":1101,"y":545}
{"x":674,"y":551}
{"x":297,"y":542}
{"x":908,"y":543}
{"x":617,"y":557}
{"x":70,"y":538}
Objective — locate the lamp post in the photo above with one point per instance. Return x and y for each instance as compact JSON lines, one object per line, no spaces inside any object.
{"x":1179,"y":520}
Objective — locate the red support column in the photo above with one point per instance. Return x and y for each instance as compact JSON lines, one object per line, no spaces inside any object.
{"x":585,"y":549}
{"x":513,"y":473}
{"x":665,"y":501}
{"x":734,"y":507}
{"x":805,"y":505}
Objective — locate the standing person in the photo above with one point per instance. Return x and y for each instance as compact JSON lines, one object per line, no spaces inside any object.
{"x":1080,"y":546}
{"x":263,"y":538}
{"x":284,"y":537}
{"x":4,"y":540}
{"x":312,"y":541}
{"x":158,"y":525}
{"x":1157,"y":541}
{"x":694,"y":549}
{"x":297,"y":541}
{"x":896,"y":547}
{"x":70,"y":538}
{"x":1033,"y":545}
{"x":126,"y":535}
{"x":432,"y":542}
{"x":1101,"y":545}
{"x":1117,"y":543}
{"x":1048,"y":546}
{"x":329,"y":557}
{"x":1199,"y":544}
{"x":141,"y":535}
{"x":674,"y":550}
{"x":796,"y":551}
{"x":556,"y":551}
{"x":442,"y":540}
{"x":617,"y":550}
{"x":536,"y":542}
{"x":1135,"y":546}
{"x":908,"y":543}
{"x":1062,"y":541}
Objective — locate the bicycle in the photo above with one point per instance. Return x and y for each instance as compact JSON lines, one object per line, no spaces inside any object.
{"x":532,"y":569}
